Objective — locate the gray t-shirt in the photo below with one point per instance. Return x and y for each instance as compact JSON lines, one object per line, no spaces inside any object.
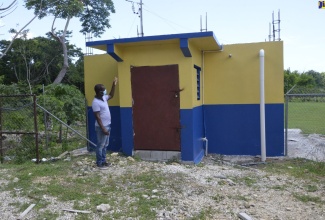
{"x":101,"y":106}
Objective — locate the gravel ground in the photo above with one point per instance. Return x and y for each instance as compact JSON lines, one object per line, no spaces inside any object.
{"x":221,"y":188}
{"x":310,"y":146}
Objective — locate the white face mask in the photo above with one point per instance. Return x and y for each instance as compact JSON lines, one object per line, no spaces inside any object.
{"x":105,"y":92}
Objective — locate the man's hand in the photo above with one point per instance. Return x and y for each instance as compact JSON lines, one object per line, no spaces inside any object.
{"x":115,"y":80}
{"x":106,"y":132}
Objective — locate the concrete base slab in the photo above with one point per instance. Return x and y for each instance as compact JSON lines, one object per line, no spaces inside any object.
{"x":150,"y":155}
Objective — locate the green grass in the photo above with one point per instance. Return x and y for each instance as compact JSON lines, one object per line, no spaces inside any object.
{"x":239,"y":197}
{"x":204,"y":214}
{"x":279,"y":187}
{"x":218,"y":198}
{"x":249,"y":181}
{"x":308,"y":198}
{"x":311,"y":188}
{"x":299,"y":168}
{"x":308,"y":116}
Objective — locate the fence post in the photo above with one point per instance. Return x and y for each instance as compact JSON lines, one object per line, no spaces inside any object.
{"x":45,"y":124}
{"x":286,"y":120}
{"x":35,"y":129}
{"x":1,"y":153}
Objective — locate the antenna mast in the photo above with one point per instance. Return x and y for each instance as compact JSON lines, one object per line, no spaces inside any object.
{"x":275,"y":29}
{"x":139,"y":12}
{"x":270,"y":35}
{"x":206,"y":23}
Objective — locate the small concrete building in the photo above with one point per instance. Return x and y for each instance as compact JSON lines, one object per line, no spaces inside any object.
{"x":186,"y":95}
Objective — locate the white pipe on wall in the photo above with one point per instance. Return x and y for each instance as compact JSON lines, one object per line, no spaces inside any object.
{"x":203,"y":95}
{"x":202,"y":88}
{"x":206,"y":145}
{"x":203,"y":70}
{"x":262,"y":107}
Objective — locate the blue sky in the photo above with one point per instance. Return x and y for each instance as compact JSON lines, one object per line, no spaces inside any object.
{"x":236,"y":21}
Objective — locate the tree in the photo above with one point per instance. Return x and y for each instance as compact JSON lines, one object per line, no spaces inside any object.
{"x":4,"y":52}
{"x":76,"y":74}
{"x":64,"y":101}
{"x":36,"y":60}
{"x":4,"y":11}
{"x":290,"y":79}
{"x":93,"y":15}
{"x":306,"y":80}
{"x":323,"y":78}
{"x":317,"y":77}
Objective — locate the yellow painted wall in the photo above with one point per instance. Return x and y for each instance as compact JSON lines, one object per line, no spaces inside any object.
{"x":226,"y":80}
{"x":100,"y":69}
{"x":235,"y":80}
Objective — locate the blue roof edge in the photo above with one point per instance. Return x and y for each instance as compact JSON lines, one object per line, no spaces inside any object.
{"x":154,"y":38}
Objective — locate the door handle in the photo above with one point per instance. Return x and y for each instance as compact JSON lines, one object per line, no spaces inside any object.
{"x":177,"y":92}
{"x":178,"y":128}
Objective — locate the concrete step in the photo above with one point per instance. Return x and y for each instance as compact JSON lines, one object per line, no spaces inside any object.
{"x":150,"y":155}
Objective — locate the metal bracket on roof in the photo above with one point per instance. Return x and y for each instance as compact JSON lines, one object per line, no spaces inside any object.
{"x":184,"y":47}
{"x":111,"y":51}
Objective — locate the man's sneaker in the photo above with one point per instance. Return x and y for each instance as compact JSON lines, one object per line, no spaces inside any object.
{"x":106,"y":164}
{"x":102,"y":167}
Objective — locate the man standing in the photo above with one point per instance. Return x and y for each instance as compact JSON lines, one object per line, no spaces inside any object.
{"x":103,"y":121}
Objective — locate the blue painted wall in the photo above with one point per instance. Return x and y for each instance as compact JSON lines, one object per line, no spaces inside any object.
{"x":192,"y":146}
{"x":230,"y":130}
{"x":198,"y":134}
{"x":186,"y":135}
{"x":235,"y":129}
{"x":127,"y":130}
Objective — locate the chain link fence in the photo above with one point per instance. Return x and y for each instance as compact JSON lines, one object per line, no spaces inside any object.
{"x":305,"y":121}
{"x":18,"y":127}
{"x":29,"y":131}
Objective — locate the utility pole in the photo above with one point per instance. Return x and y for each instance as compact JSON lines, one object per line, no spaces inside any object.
{"x":140,"y":13}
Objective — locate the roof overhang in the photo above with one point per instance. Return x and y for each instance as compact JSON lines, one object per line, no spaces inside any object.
{"x":201,"y":40}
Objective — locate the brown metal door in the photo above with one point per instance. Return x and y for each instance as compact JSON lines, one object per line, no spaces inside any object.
{"x":156,"y":107}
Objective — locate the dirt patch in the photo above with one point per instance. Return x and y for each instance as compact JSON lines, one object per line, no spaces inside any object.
{"x":311,"y":146}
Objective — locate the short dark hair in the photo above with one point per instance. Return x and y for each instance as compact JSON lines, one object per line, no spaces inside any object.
{"x":98,"y":88}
